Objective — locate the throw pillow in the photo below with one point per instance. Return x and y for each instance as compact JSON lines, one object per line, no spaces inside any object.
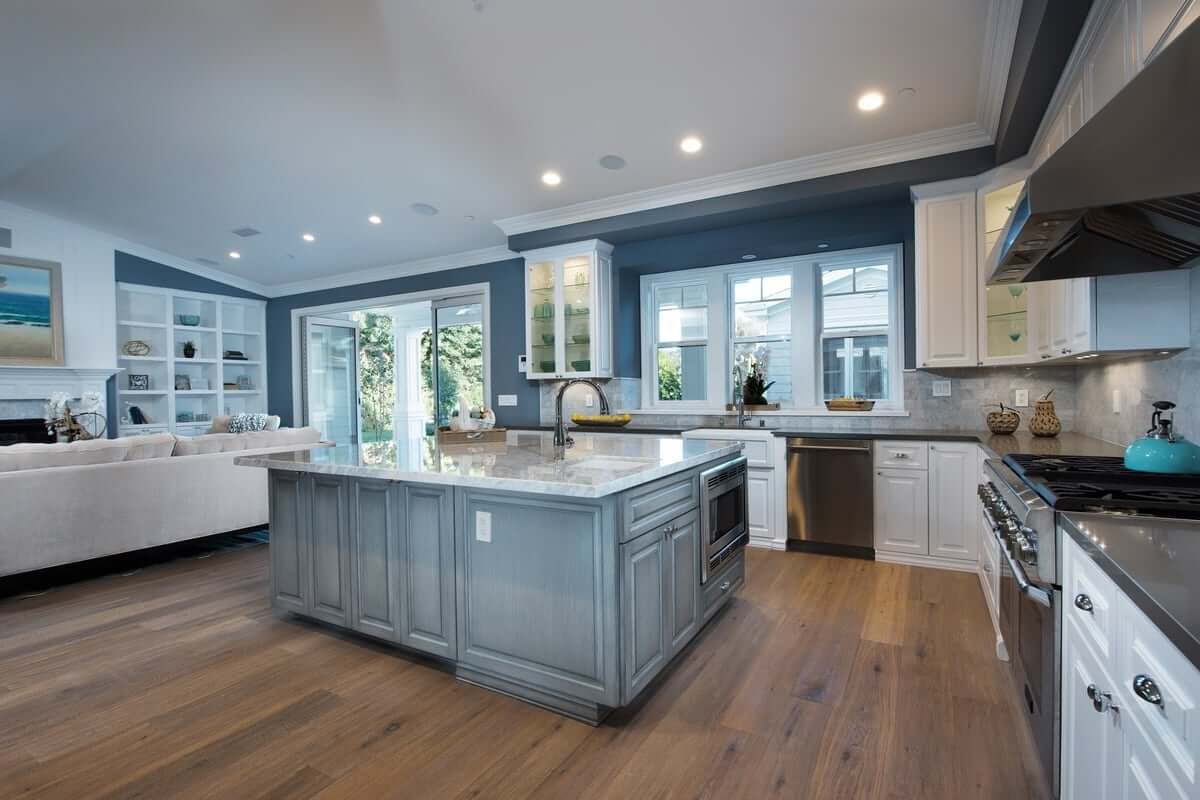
{"x":246,"y":423}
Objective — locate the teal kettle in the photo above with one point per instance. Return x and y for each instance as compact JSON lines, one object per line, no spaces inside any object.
{"x":1162,"y":450}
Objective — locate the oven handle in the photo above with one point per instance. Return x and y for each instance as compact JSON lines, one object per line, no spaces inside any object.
{"x":1027,"y":587}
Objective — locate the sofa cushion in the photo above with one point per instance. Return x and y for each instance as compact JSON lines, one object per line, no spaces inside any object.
{"x":154,"y":445}
{"x":29,"y":455}
{"x":260,"y":440}
{"x":220,"y":424}
{"x":209,"y":443}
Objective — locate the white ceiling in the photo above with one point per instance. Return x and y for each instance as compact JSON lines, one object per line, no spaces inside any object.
{"x":170,"y":124}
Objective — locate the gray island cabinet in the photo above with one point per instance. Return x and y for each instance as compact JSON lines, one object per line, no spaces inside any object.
{"x":570,"y":584}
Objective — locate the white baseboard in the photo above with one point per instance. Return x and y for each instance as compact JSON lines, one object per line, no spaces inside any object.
{"x":926,"y":561}
{"x":767,"y":544}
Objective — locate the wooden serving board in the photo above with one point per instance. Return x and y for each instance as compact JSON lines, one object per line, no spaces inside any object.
{"x":490,"y":436}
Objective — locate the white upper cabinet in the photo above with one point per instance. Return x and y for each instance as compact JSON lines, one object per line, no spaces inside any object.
{"x":568,"y":311}
{"x":1108,"y":66}
{"x":1005,"y":322}
{"x":947,"y":280}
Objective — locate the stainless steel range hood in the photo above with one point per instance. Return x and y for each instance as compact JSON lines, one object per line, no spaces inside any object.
{"x":1123,"y":194}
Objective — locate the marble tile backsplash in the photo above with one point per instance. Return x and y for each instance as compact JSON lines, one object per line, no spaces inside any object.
{"x":972,"y":390}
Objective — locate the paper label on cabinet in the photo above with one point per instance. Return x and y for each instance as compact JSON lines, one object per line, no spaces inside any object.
{"x":483,"y":526}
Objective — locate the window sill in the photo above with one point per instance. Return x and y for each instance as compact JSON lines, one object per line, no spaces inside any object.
{"x":783,"y":412}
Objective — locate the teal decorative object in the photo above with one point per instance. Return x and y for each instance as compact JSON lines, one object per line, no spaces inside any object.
{"x":1162,"y":450}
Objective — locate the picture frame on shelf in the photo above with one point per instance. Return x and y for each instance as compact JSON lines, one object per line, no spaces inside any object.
{"x":245,"y":383}
{"x":183,"y":383}
{"x":139,"y":383}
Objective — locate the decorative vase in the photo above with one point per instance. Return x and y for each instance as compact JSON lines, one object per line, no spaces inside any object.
{"x":189,"y":350}
{"x":1004,"y":421}
{"x":1044,"y":421}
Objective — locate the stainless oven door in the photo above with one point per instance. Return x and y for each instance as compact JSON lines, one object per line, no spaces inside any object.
{"x":723,"y":511}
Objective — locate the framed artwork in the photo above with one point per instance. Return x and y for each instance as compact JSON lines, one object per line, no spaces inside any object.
{"x":139,"y":383}
{"x":183,"y":383}
{"x":31,"y":326}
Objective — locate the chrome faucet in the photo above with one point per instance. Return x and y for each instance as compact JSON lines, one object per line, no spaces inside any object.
{"x":561,"y":439}
{"x":739,"y":398}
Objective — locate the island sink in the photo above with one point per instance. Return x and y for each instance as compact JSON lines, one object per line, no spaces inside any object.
{"x":567,"y":583}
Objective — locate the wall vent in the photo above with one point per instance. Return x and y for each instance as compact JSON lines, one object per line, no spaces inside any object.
{"x":246,"y":232}
{"x":5,"y":237}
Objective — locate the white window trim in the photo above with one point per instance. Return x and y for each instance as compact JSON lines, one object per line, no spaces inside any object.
{"x":807,"y":383}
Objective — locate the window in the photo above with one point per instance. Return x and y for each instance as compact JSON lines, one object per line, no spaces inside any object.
{"x":681,"y":342}
{"x":856,"y":319}
{"x":818,"y":327}
{"x":762,"y":330}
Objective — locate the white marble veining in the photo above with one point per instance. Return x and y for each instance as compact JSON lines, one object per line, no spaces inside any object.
{"x":598,"y":464}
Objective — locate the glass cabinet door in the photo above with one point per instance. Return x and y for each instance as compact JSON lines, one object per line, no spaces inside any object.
{"x":1005,"y":320}
{"x":577,"y":278}
{"x":542,"y":312}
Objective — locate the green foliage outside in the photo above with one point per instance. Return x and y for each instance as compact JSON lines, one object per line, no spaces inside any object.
{"x":377,"y":374}
{"x":460,"y":369}
{"x":670,"y":385}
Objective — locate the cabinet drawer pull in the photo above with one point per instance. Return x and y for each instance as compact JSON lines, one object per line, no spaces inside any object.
{"x":669,"y":529}
{"x":725,"y":586}
{"x":1101,"y":701}
{"x":1145,"y":688}
{"x":1084,"y":603}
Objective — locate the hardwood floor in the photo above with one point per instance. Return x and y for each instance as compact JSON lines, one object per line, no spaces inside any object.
{"x":826,"y":678}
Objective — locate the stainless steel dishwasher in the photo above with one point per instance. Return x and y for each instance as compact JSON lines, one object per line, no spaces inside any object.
{"x":830,"y":496}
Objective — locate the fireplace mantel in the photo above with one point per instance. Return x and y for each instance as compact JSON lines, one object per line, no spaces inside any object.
{"x":38,"y":383}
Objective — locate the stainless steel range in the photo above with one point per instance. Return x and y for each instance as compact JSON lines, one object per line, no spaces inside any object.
{"x":1020,"y":498}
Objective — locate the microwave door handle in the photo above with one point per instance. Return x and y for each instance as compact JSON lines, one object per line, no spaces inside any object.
{"x":1027,"y":587}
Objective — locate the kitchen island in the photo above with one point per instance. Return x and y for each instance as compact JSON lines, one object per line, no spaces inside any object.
{"x":569,"y":582}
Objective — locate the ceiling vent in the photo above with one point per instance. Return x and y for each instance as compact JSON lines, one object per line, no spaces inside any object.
{"x":207,"y":261}
{"x":246,"y":232}
{"x":5,"y":237}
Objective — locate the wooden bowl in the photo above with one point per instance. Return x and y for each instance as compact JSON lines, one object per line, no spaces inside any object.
{"x":602,"y":420}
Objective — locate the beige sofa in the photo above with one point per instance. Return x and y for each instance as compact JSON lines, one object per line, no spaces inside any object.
{"x":63,"y":503}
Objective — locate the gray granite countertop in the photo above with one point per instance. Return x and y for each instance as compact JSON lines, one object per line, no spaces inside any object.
{"x":596,"y":466}
{"x":1153,"y":560}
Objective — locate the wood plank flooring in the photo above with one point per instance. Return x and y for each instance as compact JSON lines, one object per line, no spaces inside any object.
{"x":825,"y":678}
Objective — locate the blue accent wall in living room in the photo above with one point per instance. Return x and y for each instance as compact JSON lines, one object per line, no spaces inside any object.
{"x":507,"y":316}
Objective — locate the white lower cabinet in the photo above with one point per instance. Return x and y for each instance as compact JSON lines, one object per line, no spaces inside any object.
{"x":766,"y":502}
{"x":1116,"y":743}
{"x":953,"y":505}
{"x":902,"y":511}
{"x":760,"y":491}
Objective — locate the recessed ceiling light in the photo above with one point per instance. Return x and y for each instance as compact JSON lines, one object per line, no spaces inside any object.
{"x":691,"y":144}
{"x":749,"y":257}
{"x":469,"y":217}
{"x":823,"y":245}
{"x":906,"y":93}
{"x":424,"y":209}
{"x":375,"y":219}
{"x":870,"y":101}
{"x":235,"y":255}
{"x":308,"y":237}
{"x":612,"y":162}
{"x":551,"y":178}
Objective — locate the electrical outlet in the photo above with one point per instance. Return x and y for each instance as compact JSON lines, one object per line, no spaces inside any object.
{"x":1116,"y":401}
{"x":589,"y":399}
{"x":1021,"y":398}
{"x":506,"y":399}
{"x":941,"y":388}
{"x":483,"y":526}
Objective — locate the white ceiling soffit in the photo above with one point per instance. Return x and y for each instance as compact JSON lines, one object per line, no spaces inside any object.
{"x":468,"y":258}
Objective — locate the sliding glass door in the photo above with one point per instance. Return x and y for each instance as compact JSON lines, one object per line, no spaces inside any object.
{"x":457,"y":350}
{"x":330,"y":367}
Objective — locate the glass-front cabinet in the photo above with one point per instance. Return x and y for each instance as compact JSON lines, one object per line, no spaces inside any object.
{"x":568,"y":311}
{"x":1005,"y":334}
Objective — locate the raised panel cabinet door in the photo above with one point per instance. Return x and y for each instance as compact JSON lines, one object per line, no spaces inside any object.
{"x":683,"y":580}
{"x":1109,"y":65}
{"x":902,"y":511}
{"x":289,"y":541}
{"x":760,"y":488}
{"x":537,"y":592}
{"x":1082,"y":314}
{"x":427,"y":570}
{"x":1060,"y":317}
{"x":329,"y":537}
{"x":644,"y":610}
{"x":1143,"y":776}
{"x":947,"y":313}
{"x":1091,"y":739}
{"x":953,"y":526}
{"x":374,"y":548}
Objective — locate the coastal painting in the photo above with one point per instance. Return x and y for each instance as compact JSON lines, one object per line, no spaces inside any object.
{"x":30,"y":313}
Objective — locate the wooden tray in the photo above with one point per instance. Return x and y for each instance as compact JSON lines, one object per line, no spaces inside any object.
{"x":490,"y":436}
{"x":849,"y":405}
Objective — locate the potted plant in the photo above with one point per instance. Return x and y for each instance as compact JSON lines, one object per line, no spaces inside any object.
{"x":754,"y":388}
{"x":189,"y":349}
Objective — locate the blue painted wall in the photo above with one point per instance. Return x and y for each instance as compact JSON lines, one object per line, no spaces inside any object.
{"x":133,"y":269}
{"x":507,"y":280}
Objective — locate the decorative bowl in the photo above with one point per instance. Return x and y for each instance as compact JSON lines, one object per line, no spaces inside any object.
{"x":547,"y":338}
{"x":546,"y":366}
{"x":602,"y":420}
{"x":190,"y":320}
{"x":582,"y":365}
{"x":849,"y":404}
{"x":581,"y":338}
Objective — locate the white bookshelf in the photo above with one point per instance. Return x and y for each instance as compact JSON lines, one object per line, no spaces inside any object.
{"x":155,"y":316}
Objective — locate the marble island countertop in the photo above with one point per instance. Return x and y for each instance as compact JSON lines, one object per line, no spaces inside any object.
{"x":525,"y":462}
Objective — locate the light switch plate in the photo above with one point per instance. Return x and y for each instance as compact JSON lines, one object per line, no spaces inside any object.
{"x":483,"y":526}
{"x":1021,"y":398}
{"x":941,"y":388}
{"x":506,"y":399}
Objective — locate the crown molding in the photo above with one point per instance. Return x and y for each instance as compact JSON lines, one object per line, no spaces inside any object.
{"x":922,"y":145}
{"x":467,"y":258}
{"x":200,"y":270}
{"x":999,"y":40}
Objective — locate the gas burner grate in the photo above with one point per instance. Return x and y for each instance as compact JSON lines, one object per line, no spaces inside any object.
{"x":1092,"y":469}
